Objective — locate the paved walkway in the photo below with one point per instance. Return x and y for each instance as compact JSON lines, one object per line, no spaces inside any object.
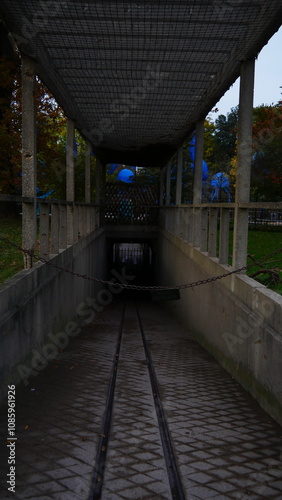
{"x":225,"y":446}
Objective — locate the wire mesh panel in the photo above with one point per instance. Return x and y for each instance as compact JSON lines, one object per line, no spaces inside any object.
{"x":130,"y":204}
{"x":136,"y":76}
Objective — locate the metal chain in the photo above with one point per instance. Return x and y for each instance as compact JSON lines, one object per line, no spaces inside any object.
{"x":139,"y":287}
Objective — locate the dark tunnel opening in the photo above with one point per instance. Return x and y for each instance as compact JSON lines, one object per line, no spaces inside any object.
{"x":134,"y":259}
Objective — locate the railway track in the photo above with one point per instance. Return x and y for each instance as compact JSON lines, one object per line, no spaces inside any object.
{"x":132,"y":350}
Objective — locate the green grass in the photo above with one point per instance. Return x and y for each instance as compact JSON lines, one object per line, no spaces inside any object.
{"x":11,"y":260}
{"x":260,"y":244}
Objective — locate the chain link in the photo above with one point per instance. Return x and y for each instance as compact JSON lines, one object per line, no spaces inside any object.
{"x":194,"y":284}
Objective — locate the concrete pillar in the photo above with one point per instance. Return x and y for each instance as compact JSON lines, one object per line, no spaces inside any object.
{"x":244,"y":156}
{"x":197,"y":183}
{"x":29,"y":158}
{"x":70,"y":179}
{"x":179,"y":177}
{"x":168,"y":183}
{"x":87,"y":173}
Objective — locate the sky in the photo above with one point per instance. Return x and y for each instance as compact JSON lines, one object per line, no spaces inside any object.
{"x":268,"y":79}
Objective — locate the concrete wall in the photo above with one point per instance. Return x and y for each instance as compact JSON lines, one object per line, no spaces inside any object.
{"x":42,"y":301}
{"x":236,"y":319}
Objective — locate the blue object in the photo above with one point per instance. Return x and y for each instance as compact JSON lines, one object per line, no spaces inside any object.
{"x":46,"y":194}
{"x":126,"y":175}
{"x":220,"y":181}
{"x":205,"y":168}
{"x":112,"y":167}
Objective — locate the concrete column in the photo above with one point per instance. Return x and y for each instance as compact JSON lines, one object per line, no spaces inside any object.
{"x":197,"y":183}
{"x":87,"y":173}
{"x":29,"y":158}
{"x":168,"y":183}
{"x":179,"y":177}
{"x":70,"y":179}
{"x":244,"y":156}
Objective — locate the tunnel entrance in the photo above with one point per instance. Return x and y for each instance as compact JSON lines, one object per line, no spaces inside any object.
{"x":134,"y":258}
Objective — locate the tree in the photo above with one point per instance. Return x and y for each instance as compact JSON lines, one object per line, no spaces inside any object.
{"x":51,"y":135}
{"x":267,"y":158}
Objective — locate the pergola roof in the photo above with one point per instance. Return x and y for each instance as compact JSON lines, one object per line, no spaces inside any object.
{"x":136,"y":76}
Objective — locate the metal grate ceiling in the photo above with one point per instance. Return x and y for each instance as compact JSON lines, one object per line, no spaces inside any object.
{"x":136,"y":76}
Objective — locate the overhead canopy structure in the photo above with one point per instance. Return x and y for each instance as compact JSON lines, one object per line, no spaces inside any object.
{"x":136,"y":76}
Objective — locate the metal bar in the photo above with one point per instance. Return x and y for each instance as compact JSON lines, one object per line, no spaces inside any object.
{"x":29,"y":157}
{"x":170,"y":460}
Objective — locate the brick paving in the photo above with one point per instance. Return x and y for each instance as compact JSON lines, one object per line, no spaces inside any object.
{"x":226,"y":447}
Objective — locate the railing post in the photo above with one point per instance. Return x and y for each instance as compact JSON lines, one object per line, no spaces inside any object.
{"x":54,"y":228}
{"x":75,"y":223}
{"x":204,"y":229}
{"x":70,"y":179}
{"x":212,"y":232}
{"x":224,"y":235}
{"x":44,"y":230}
{"x":63,"y":227}
{"x":29,"y":157}
{"x":244,"y":157}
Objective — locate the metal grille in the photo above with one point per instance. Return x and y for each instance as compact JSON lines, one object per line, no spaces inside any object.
{"x":136,"y":76}
{"x":131,"y":204}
